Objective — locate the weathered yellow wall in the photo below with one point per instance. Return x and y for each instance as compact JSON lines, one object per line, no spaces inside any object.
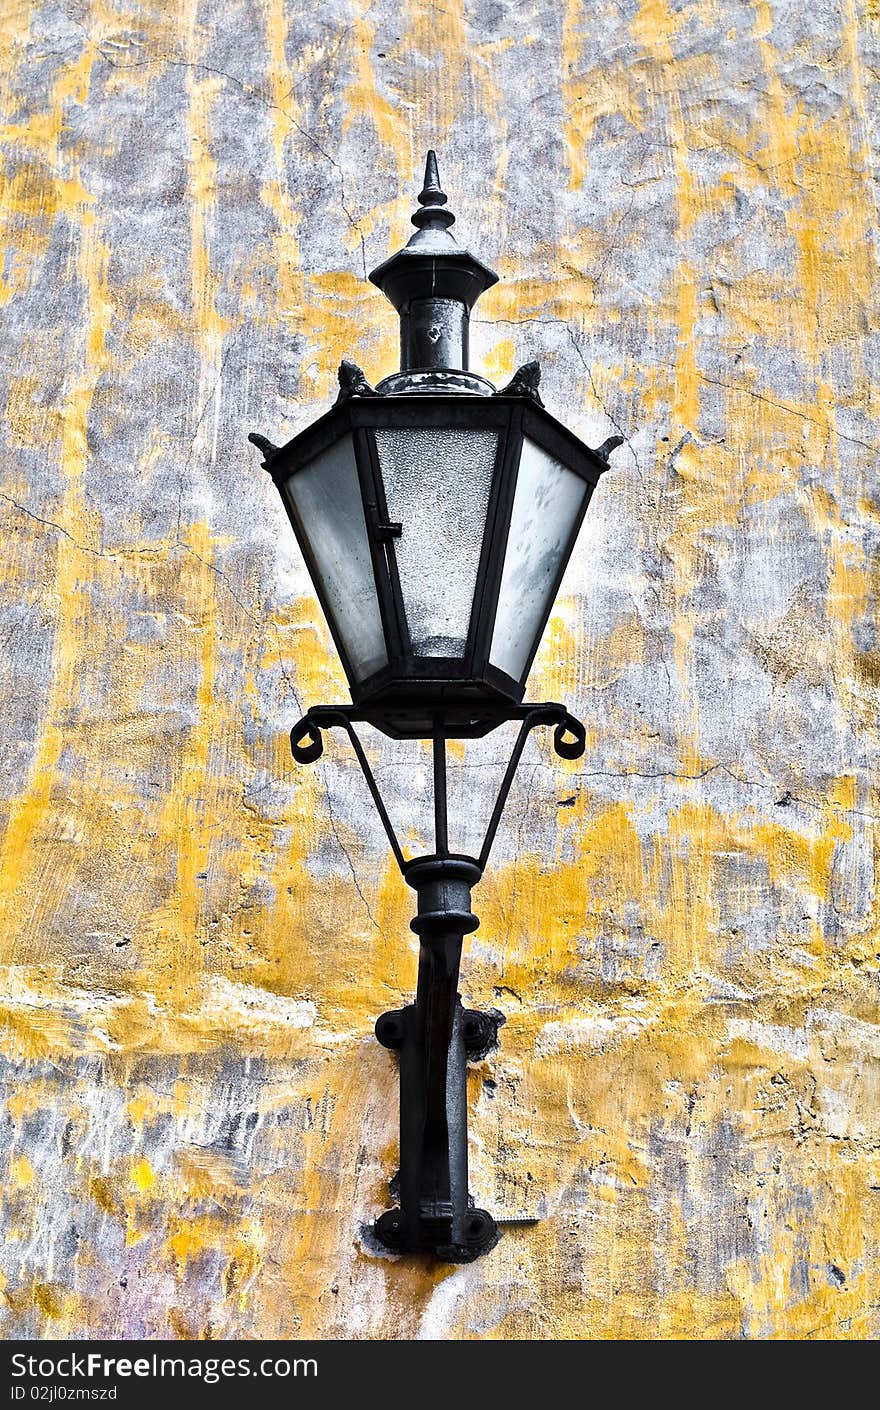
{"x":682,"y":927}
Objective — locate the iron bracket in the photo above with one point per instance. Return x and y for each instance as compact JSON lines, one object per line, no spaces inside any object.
{"x":435,"y":1037}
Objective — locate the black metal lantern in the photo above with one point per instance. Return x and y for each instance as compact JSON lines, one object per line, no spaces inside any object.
{"x":436,"y":517}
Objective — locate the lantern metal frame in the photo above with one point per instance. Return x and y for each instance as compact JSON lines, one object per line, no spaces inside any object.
{"x":433,"y":284}
{"x":404,"y":694}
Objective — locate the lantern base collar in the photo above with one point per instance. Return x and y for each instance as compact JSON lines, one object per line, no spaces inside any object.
{"x":435,"y":381}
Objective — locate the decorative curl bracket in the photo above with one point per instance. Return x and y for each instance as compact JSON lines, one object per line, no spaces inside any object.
{"x":307,"y":746}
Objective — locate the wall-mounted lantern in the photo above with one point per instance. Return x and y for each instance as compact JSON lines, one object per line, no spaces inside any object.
{"x":436,"y":517}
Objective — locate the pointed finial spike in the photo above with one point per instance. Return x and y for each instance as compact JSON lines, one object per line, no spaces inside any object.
{"x":432,"y":199}
{"x":432,"y":184}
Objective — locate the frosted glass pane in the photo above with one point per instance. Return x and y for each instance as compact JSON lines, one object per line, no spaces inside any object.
{"x":437,"y":485}
{"x":328,"y":505}
{"x":546,"y":503}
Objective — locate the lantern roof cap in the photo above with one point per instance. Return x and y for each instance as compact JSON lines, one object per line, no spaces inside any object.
{"x":432,"y":264}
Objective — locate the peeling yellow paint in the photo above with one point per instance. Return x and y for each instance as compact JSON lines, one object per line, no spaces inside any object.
{"x":21,"y":1172}
{"x":142,"y":1176}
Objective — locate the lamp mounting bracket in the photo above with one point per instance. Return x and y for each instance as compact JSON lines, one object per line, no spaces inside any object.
{"x":569,"y":742}
{"x":435,"y":1037}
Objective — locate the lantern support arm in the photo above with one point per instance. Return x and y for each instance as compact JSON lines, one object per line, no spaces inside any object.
{"x":307,"y":745}
{"x":569,"y":741}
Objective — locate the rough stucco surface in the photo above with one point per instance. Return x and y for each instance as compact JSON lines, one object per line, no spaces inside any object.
{"x":682,"y":927}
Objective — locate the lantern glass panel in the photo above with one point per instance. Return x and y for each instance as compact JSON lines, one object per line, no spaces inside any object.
{"x":437,"y":483}
{"x":326,"y":499}
{"x":547,"y":501}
